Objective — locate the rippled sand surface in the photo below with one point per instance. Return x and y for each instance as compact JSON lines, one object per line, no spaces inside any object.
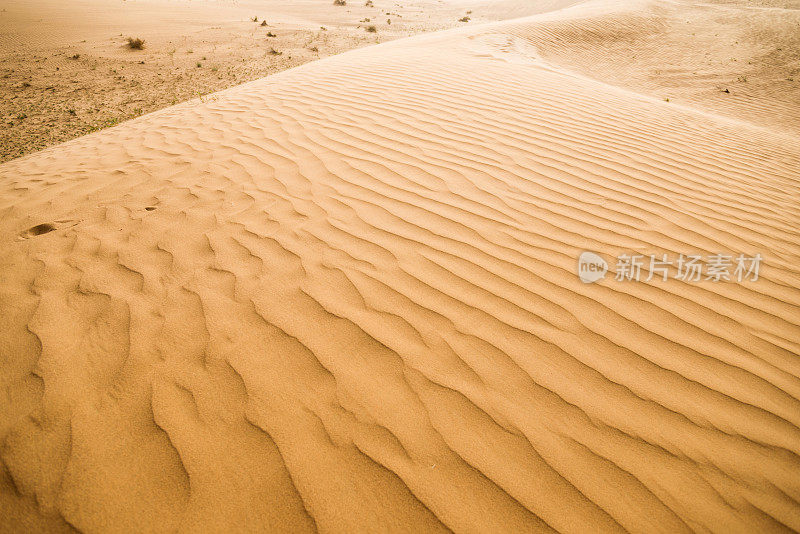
{"x":344,"y":298}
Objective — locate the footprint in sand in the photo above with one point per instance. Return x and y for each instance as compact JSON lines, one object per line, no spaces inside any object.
{"x":44,"y":228}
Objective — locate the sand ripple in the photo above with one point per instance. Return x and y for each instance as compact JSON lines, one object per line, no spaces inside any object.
{"x":344,"y":298}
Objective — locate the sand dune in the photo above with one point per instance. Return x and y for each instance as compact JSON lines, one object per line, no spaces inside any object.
{"x":739,"y":61}
{"x":343,"y":298}
{"x":66,"y":68}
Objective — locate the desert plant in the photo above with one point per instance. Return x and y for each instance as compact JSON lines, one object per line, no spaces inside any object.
{"x":270,"y":34}
{"x":371,"y":28}
{"x":274,"y":52}
{"x":254,"y":19}
{"x":463,"y":19}
{"x":340,"y":2}
{"x":368,"y":3}
{"x":76,"y":56}
{"x":263,"y":22}
{"x":136,"y":43}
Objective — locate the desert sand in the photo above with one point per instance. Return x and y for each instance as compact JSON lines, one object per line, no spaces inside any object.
{"x":66,"y":68}
{"x":344,"y":297}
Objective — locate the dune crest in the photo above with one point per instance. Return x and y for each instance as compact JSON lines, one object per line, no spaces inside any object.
{"x":344,"y":298}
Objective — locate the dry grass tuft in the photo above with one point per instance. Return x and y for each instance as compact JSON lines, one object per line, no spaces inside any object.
{"x":136,"y":43}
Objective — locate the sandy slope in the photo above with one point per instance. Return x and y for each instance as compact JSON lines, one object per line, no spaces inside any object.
{"x":66,"y":68}
{"x":344,"y":298}
{"x":729,"y":59}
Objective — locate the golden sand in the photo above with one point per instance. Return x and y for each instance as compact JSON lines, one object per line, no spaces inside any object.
{"x":343,"y":298}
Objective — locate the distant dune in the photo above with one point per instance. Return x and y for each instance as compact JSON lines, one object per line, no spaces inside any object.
{"x":344,"y":298}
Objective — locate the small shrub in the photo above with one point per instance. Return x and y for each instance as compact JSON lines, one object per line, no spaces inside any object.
{"x":263,"y":22}
{"x":368,"y":3}
{"x":199,"y":64}
{"x":135,"y":43}
{"x":274,"y":52}
{"x":371,"y":28}
{"x":254,"y":19}
{"x":340,"y":2}
{"x":76,"y":56}
{"x":463,"y":19}
{"x":270,"y":34}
